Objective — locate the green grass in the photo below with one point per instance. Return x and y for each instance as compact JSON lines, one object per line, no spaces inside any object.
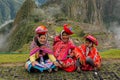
{"x":112,"y":53}
{"x":17,"y":57}
{"x":13,"y":58}
{"x":58,"y":29}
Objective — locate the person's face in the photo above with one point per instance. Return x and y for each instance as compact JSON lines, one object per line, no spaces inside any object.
{"x":65,"y":37}
{"x":42,"y":39}
{"x":88,"y":43}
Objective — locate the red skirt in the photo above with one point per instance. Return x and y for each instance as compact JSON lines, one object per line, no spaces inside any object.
{"x":70,"y":63}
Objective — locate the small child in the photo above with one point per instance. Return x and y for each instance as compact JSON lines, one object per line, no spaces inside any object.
{"x":41,"y":56}
{"x":87,"y":55}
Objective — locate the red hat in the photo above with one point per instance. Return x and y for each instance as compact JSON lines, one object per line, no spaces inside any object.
{"x":41,"y":30}
{"x":67,"y":30}
{"x":93,"y":39}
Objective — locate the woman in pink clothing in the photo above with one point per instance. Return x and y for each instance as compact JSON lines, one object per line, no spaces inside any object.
{"x":62,"y":48}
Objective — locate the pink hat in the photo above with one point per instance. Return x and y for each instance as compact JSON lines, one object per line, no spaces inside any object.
{"x":41,"y":30}
{"x":93,"y":39}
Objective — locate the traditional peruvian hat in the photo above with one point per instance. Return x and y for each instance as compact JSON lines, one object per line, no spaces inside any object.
{"x":68,"y":29}
{"x":41,"y":30}
{"x":93,"y":39}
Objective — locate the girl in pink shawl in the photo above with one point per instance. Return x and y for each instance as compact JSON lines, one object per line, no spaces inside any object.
{"x":41,"y":56}
{"x":62,"y":48}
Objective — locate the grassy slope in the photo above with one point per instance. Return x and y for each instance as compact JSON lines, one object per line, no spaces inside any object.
{"x":13,"y":58}
{"x":112,"y":53}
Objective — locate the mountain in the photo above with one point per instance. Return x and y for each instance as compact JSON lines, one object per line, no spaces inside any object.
{"x":22,"y":26}
{"x":111,"y":12}
{"x":8,"y":9}
{"x":86,"y":17}
{"x":40,"y":2}
{"x":5,"y":30}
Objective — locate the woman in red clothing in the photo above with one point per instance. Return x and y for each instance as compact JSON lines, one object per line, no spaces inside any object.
{"x":87,"y":55}
{"x":62,"y":48}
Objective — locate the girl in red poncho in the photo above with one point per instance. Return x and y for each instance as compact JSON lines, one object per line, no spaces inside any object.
{"x":62,"y":48}
{"x":87,"y":55}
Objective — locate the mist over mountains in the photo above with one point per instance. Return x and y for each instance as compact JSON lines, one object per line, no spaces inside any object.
{"x":8,"y":9}
{"x":87,"y":16}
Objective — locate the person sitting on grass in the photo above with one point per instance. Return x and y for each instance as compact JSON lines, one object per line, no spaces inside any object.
{"x":87,"y":55}
{"x":41,"y":56}
{"x":62,"y":47}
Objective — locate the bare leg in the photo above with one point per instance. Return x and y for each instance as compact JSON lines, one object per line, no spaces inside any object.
{"x":26,"y":66}
{"x":78,"y":64}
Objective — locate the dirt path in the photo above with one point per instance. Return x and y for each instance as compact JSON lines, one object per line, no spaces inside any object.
{"x":12,"y":64}
{"x":104,"y":61}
